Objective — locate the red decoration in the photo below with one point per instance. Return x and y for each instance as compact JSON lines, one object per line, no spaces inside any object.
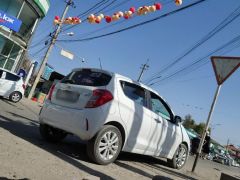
{"x":126,"y":16}
{"x":57,"y":18}
{"x":158,"y":6}
{"x":108,"y":19}
{"x":132,"y":9}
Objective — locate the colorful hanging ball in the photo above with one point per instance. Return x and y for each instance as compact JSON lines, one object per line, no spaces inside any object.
{"x":115,"y":17}
{"x":145,"y":10}
{"x":55,"y":22}
{"x":132,"y":9}
{"x":152,"y":8}
{"x":126,"y":16}
{"x":129,"y":13}
{"x":57,"y":18}
{"x":139,"y":11}
{"x":178,"y":2}
{"x":101,"y":15}
{"x":98,"y":19}
{"x":108,"y":19}
{"x":158,"y":6}
{"x":121,"y":14}
{"x":91,"y":18}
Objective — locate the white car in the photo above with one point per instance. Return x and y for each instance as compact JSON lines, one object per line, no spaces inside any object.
{"x":113,"y":113}
{"x":11,"y":86}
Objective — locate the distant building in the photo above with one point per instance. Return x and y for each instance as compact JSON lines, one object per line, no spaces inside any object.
{"x":18,"y":21}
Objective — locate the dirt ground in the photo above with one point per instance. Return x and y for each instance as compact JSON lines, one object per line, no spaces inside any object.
{"x":24,"y":154}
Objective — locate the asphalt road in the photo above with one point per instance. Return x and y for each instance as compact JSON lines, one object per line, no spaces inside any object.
{"x":24,"y":154}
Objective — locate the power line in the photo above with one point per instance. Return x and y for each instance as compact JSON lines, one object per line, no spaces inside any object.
{"x":136,"y":25}
{"x":230,"y":18}
{"x":116,"y":23}
{"x":201,"y":60}
{"x":73,"y":26}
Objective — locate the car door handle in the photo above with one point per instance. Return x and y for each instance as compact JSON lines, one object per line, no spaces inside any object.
{"x":157,"y":120}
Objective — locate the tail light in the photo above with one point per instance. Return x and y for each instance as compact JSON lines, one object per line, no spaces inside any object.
{"x":99,"y":97}
{"x":51,"y":92}
{"x":24,"y":86}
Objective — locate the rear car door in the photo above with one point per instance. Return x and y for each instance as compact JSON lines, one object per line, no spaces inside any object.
{"x":8,"y":83}
{"x":165,"y":134}
{"x":134,"y":113}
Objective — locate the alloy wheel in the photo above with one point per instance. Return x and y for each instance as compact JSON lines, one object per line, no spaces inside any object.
{"x":108,"y":145}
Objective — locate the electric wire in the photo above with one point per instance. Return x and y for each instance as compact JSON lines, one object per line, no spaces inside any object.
{"x":136,"y":25}
{"x":235,"y":41}
{"x":229,"y":19}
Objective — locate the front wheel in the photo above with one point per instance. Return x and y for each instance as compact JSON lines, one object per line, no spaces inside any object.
{"x":15,"y":97}
{"x":105,"y":146}
{"x":180,"y":157}
{"x":51,"y":134}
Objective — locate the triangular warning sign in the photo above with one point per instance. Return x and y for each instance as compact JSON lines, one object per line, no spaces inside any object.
{"x":224,"y":67}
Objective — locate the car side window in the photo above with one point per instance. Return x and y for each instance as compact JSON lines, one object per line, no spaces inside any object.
{"x":1,"y":72}
{"x":134,"y":92}
{"x":158,"y":107}
{"x":11,"y":77}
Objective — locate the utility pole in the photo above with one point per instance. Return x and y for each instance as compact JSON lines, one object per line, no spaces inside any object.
{"x":206,"y":128}
{"x":53,"y":40}
{"x":144,"y":67}
{"x":228,"y":141}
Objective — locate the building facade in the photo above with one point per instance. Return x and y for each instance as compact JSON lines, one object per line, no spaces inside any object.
{"x":18,"y":20}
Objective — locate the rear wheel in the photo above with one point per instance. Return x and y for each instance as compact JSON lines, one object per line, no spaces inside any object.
{"x":51,"y":134}
{"x":15,"y":97}
{"x":105,"y":146}
{"x":180,"y":157}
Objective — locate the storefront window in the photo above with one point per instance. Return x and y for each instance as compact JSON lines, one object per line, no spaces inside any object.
{"x":28,"y":17}
{"x":11,"y":7}
{"x":9,"y":53}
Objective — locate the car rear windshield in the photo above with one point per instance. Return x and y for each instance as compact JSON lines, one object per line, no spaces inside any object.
{"x":87,"y":78}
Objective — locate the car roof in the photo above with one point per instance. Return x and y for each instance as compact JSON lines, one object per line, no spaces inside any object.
{"x":119,"y":76}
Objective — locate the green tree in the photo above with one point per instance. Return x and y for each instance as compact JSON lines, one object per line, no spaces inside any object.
{"x":189,"y":122}
{"x":199,"y":128}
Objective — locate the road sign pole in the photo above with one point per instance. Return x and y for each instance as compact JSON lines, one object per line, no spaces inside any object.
{"x":53,"y":40}
{"x":206,"y":127}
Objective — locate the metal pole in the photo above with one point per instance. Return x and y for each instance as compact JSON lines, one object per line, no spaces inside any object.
{"x":206,"y":127}
{"x":53,"y":40}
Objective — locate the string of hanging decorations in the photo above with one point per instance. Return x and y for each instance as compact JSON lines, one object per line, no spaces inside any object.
{"x":96,"y":19}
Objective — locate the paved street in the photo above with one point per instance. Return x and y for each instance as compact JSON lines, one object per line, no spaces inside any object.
{"x":23,"y":154}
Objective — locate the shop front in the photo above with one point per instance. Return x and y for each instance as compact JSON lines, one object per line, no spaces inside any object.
{"x":18,"y":21}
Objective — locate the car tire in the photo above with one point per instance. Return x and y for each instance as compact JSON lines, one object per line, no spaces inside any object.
{"x":180,"y":157}
{"x":105,"y":146}
{"x":51,"y":134}
{"x":15,"y":96}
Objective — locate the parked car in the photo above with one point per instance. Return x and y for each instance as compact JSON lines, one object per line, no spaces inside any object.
{"x":113,"y":113}
{"x":11,"y":86}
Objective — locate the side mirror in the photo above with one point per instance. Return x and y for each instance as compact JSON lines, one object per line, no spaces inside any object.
{"x":177,"y":119}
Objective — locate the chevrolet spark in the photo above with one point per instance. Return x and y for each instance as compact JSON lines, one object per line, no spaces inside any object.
{"x":113,"y":113}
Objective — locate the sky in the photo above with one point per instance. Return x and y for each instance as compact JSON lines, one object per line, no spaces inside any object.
{"x":162,"y":41}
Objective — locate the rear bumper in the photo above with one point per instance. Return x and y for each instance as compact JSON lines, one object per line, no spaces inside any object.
{"x":83,"y":123}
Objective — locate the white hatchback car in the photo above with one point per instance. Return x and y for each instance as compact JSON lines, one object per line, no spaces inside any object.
{"x":113,"y":113}
{"x":11,"y":86}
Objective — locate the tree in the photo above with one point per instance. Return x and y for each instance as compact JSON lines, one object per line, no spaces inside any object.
{"x":199,"y":128}
{"x":188,"y":122}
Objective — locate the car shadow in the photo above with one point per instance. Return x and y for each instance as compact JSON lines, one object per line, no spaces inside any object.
{"x":72,"y":150}
{"x":151,"y":162}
